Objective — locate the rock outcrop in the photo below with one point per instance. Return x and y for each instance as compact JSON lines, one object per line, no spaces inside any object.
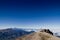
{"x":47,"y":31}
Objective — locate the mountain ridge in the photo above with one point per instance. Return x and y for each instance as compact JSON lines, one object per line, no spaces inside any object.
{"x":38,"y":36}
{"x":11,"y":34}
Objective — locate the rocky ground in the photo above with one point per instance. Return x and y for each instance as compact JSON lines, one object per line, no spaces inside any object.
{"x":38,"y":36}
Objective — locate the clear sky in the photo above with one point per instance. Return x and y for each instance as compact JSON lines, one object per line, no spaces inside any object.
{"x":29,"y":13}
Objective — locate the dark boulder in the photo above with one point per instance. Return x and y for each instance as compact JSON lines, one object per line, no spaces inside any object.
{"x":47,"y":31}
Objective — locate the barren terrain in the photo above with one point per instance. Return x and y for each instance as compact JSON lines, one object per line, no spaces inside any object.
{"x":38,"y":36}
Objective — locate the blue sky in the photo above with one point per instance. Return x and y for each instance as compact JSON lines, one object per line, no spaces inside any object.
{"x":29,"y":13}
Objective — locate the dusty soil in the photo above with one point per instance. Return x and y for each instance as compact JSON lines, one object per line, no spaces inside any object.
{"x":38,"y":36}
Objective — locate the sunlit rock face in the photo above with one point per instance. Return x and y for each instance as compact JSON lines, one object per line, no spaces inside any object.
{"x":38,"y":36}
{"x":47,"y":31}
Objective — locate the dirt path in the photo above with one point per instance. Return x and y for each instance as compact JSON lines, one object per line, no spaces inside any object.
{"x":36,"y":37}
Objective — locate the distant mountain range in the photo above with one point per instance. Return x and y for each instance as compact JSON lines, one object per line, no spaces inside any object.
{"x":12,"y":33}
{"x":57,"y":34}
